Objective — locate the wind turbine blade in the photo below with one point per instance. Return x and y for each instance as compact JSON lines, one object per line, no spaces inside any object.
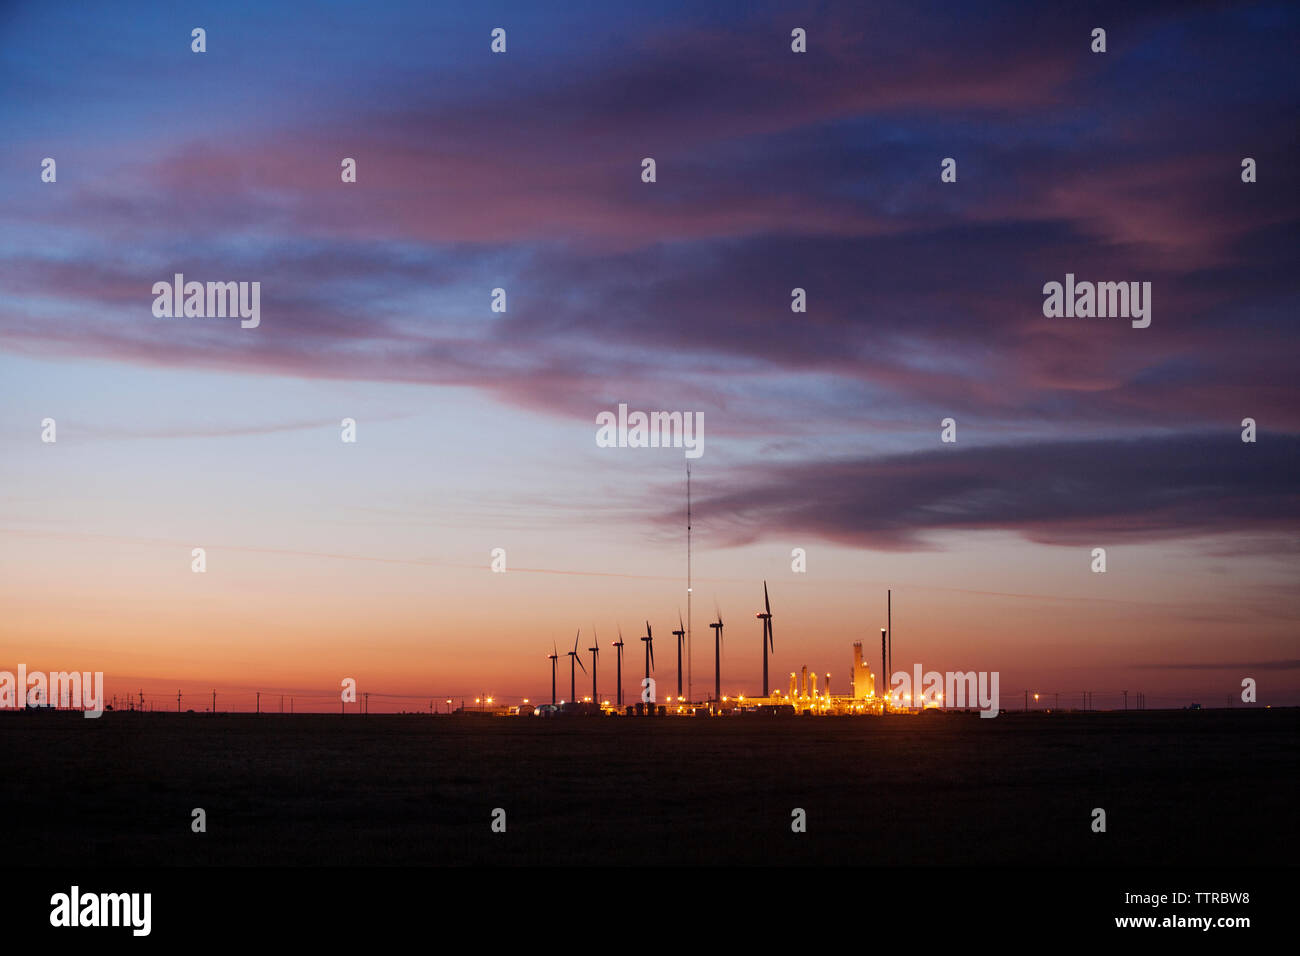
{"x":580,"y":664}
{"x":575,"y":638}
{"x":766,"y":603}
{"x":652,"y":656}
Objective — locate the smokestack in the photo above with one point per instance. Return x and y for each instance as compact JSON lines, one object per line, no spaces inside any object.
{"x":884,"y":664}
{"x":826,"y":689}
{"x":803,"y":681}
{"x":792,"y":685}
{"x":812,"y":684}
{"x":889,"y":623}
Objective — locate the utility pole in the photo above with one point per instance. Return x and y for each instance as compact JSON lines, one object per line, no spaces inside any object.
{"x":367,"y":703}
{"x":178,"y":702}
{"x":1026,"y":702}
{"x":259,"y":701}
{"x":1126,"y":701}
{"x":214,"y":702}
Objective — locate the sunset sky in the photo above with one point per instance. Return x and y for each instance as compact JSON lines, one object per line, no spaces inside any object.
{"x":476,"y":430}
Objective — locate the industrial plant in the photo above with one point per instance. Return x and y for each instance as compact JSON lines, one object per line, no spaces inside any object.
{"x":866,"y":693}
{"x":808,"y":693}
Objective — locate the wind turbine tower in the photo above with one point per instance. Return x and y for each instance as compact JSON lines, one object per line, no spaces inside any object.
{"x":573,"y":674}
{"x":553,"y":657}
{"x":766,"y":618}
{"x":618,"y":646}
{"x":649,"y":642}
{"x":717,"y":659}
{"x":680,"y":634}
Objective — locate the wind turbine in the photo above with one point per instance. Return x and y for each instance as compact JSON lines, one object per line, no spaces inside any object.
{"x":680,"y":634}
{"x":717,"y":657}
{"x":649,"y":642}
{"x":619,"y":644}
{"x":595,"y":653}
{"x":553,"y":657}
{"x":766,"y":618}
{"x":573,"y":675}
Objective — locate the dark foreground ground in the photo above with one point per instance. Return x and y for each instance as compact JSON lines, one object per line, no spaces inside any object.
{"x":1199,"y":788}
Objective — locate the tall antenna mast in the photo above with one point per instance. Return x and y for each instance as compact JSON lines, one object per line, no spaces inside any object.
{"x":690,"y":686}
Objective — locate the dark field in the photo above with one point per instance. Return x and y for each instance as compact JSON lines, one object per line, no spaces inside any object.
{"x":1203,"y":788}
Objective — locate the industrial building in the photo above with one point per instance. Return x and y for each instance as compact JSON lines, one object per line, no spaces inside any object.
{"x":807,"y":695}
{"x":803,"y":697}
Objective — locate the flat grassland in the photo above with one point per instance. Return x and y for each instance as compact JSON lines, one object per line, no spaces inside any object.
{"x":1207,"y":787}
